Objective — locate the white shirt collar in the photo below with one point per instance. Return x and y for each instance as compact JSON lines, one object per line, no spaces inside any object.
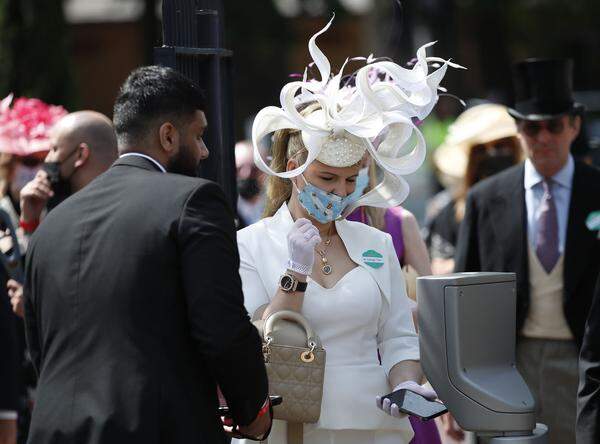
{"x":154,"y":161}
{"x":564,"y":177}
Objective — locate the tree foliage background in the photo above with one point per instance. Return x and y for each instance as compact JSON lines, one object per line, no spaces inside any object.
{"x":487,"y":36}
{"x":34,"y":59}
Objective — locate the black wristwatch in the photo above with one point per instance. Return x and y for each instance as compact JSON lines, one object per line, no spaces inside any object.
{"x":289,"y":283}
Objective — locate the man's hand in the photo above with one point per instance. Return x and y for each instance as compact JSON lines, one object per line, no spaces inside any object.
{"x":34,"y":196}
{"x":15,"y":293}
{"x":258,"y":427}
{"x":256,"y":430}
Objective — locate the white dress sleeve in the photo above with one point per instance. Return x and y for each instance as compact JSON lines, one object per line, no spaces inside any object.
{"x":397,"y":339}
{"x":255,"y":294}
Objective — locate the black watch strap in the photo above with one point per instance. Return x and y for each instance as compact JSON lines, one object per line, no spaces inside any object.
{"x":301,"y":286}
{"x":290,"y":283}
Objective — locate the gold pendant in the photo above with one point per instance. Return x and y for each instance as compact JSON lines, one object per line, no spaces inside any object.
{"x":326,"y":268}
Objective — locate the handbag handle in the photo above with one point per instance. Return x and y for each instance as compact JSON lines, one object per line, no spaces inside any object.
{"x":294,"y":317}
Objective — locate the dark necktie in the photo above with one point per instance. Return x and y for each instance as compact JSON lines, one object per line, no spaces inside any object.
{"x":546,"y":242}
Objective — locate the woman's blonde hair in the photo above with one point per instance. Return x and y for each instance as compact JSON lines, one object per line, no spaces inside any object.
{"x":375,"y":215}
{"x":287,"y":144}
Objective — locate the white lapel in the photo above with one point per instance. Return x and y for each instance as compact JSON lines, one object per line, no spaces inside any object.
{"x":364,"y":245}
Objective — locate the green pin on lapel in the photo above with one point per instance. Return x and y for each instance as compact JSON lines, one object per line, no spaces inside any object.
{"x":373,"y":259}
{"x":592,"y":222}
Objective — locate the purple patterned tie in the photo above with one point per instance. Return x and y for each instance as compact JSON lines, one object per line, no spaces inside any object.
{"x":546,"y":242}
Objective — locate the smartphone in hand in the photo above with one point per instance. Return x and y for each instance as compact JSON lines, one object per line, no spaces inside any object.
{"x":414,"y":404}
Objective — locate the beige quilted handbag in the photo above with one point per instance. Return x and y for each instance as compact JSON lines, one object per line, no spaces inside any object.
{"x":295,"y":362}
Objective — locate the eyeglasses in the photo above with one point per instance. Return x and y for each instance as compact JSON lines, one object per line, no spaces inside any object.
{"x":532,"y":128}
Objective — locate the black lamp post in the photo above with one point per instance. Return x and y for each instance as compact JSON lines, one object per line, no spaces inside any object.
{"x":192,"y":44}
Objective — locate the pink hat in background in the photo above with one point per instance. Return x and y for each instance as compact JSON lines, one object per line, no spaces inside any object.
{"x":25,"y":127}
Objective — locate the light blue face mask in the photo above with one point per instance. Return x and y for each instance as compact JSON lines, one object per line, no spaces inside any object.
{"x":324,"y":206}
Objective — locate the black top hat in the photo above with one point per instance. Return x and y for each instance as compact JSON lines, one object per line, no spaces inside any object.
{"x":543,"y":89}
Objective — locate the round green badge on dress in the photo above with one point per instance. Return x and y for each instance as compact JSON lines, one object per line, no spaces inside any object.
{"x":372,"y":258}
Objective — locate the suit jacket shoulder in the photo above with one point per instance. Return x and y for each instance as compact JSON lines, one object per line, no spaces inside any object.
{"x":492,"y":235}
{"x":503,"y":183}
{"x":588,"y":174}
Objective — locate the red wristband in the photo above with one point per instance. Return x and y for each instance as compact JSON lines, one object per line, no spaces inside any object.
{"x":265,"y":408}
{"x":29,"y":227}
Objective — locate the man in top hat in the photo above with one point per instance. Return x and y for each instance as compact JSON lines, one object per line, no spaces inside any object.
{"x":530,"y":219}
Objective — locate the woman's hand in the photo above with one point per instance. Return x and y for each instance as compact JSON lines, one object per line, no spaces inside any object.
{"x":302,"y":240}
{"x":392,"y":409}
{"x":425,"y":390}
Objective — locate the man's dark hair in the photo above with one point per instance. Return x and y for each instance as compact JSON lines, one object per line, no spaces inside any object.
{"x":150,"y":96}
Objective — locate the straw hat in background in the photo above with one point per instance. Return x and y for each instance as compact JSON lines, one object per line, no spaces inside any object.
{"x":477,"y":125}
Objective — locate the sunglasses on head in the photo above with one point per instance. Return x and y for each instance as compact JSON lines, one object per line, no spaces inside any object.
{"x":533,"y":127}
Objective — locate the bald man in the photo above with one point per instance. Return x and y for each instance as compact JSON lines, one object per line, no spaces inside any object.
{"x":83,"y":146}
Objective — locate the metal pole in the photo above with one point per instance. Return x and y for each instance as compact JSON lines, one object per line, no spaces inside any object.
{"x":192,"y":44}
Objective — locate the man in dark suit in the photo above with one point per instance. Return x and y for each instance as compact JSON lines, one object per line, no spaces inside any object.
{"x":588,"y":402}
{"x":83,"y":145}
{"x":133,"y":303}
{"x":530,"y":219}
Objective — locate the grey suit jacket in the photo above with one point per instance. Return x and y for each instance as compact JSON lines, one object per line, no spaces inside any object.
{"x":493,"y":237}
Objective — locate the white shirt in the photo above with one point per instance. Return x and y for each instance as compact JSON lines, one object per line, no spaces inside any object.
{"x":367,"y":310}
{"x":561,"y":192}
{"x":145,"y":156}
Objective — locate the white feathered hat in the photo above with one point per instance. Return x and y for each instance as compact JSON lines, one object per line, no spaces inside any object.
{"x":374,"y":115}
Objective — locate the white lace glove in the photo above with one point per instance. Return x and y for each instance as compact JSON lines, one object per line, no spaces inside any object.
{"x":302,"y":239}
{"x":392,"y":409}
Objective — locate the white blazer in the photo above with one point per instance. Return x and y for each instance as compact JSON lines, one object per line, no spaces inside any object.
{"x":350,"y":387}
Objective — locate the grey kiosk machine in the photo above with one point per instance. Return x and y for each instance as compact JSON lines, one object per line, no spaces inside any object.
{"x":467,"y":341}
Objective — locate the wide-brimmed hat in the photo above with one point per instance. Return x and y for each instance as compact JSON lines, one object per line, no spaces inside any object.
{"x":477,"y":125}
{"x":376,"y":113}
{"x":543,"y":89}
{"x":25,"y":127}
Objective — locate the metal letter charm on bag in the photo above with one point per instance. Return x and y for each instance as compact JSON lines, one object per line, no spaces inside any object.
{"x":295,"y":362}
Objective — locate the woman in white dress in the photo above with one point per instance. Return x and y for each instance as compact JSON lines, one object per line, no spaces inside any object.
{"x":355,"y":298}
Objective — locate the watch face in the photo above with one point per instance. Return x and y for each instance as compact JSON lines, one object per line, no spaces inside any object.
{"x":286,"y":283}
